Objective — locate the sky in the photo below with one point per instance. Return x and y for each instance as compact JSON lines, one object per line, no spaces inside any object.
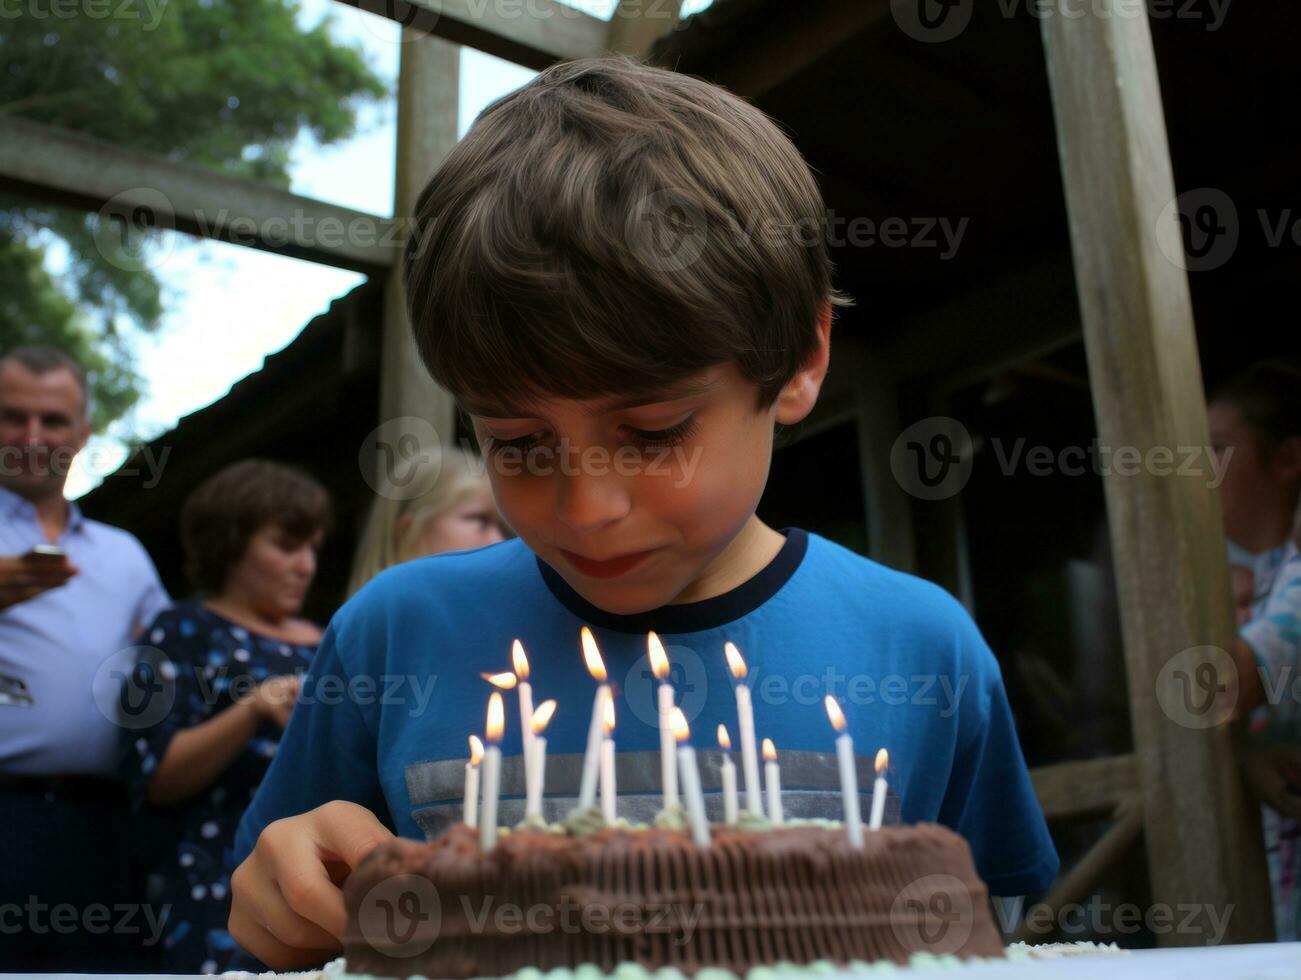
{"x":228,"y":307}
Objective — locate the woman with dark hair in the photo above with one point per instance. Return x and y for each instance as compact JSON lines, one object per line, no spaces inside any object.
{"x":226,"y":667}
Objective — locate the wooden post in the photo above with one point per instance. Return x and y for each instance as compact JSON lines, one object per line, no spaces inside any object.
{"x":637,"y":24}
{"x":1203,"y":837}
{"x":428,"y":98}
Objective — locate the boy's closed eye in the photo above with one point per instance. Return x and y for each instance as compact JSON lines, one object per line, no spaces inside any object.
{"x":641,"y":438}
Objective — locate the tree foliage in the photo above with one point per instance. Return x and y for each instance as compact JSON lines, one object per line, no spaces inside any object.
{"x":223,"y":84}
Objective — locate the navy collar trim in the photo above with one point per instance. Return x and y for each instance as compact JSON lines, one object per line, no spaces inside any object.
{"x":690,"y":617}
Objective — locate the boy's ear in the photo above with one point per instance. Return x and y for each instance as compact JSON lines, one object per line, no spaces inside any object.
{"x":800,"y":394}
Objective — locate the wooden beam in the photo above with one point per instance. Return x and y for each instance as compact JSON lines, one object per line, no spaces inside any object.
{"x":1089,"y":788}
{"x":638,"y":24}
{"x":1076,"y":884}
{"x":1205,"y":841}
{"x":428,"y":97}
{"x":533,"y":33}
{"x":62,"y":167}
{"x":753,"y":70}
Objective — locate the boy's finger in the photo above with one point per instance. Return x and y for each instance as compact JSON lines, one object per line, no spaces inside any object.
{"x":342,"y":832}
{"x":267,"y":948}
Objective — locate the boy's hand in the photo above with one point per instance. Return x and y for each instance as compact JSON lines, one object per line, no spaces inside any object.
{"x":286,"y":906}
{"x":1272,"y":772}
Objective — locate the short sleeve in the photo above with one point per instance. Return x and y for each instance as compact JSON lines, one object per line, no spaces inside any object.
{"x":153,"y":598}
{"x":164,"y":688}
{"x":328,"y":752}
{"x":1275,"y":639}
{"x":990,"y":800}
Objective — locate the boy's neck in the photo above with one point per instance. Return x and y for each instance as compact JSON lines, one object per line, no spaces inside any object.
{"x":747,"y":555}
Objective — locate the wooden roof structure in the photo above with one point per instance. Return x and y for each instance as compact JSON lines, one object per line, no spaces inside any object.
{"x":1052,"y":139}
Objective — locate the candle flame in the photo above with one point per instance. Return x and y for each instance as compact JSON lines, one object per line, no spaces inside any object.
{"x":678,"y":722}
{"x":658,"y":658}
{"x":496,"y":717}
{"x":735,"y":662}
{"x":882,"y":761}
{"x":724,"y":740}
{"x":476,"y":750}
{"x":769,"y":751}
{"x":542,"y":716}
{"x":505,"y":680}
{"x":835,"y":714}
{"x":519,"y":661}
{"x":607,"y":714}
{"x":595,"y":665}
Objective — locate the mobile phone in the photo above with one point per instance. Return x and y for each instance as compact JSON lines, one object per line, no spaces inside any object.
{"x":46,"y":554}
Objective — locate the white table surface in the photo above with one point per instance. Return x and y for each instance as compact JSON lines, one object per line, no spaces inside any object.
{"x":1264,"y":961}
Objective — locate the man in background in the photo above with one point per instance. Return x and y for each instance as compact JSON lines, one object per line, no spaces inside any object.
{"x":75,"y":595}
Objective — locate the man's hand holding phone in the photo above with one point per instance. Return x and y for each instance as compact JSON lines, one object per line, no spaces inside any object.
{"x":24,"y":577}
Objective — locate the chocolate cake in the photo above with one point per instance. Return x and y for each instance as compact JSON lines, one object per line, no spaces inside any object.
{"x":648,"y":896}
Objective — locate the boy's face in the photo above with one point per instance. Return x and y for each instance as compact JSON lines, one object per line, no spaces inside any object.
{"x":651,"y":503}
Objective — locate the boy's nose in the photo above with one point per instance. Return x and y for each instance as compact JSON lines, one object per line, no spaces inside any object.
{"x":587,"y":501}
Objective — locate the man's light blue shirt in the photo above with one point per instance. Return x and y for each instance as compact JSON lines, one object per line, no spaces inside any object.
{"x":63,"y":653}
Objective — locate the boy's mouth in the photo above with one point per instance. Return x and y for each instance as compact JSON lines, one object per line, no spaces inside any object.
{"x":606,"y":569}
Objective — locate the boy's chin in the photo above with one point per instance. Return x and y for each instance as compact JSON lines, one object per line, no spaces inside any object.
{"x":620,"y":598}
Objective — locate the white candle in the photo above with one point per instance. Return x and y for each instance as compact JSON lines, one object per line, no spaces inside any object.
{"x":536,"y":764}
{"x":772,"y":781}
{"x":690,"y":781}
{"x":492,"y":772}
{"x":521,"y":664}
{"x":591,"y":759}
{"x":470,"y":808}
{"x":745,"y":720}
{"x":848,"y":774}
{"x":609,"y":793}
{"x":879,"y":790}
{"x":668,"y":759}
{"x":728,"y":771}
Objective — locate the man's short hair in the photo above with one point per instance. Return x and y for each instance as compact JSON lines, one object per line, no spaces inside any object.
{"x":1268,"y":394}
{"x":613,"y":227}
{"x":42,"y":359}
{"x":224,"y":512}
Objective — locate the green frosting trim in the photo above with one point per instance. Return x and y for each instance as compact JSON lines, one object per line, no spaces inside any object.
{"x":672,"y":818}
{"x":580,"y":823}
{"x":753,"y":821}
{"x":533,"y":822}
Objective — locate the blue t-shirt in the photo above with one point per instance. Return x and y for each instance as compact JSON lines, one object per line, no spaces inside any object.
{"x":395,"y":690}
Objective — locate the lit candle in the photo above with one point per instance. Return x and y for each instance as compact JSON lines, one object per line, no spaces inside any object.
{"x":595,"y":667}
{"x":536,"y":764}
{"x":471,"y":807}
{"x":729,"y":777}
{"x":668,"y":761}
{"x":608,"y":791}
{"x":690,"y":780}
{"x":879,"y":790}
{"x":745,"y":719}
{"x":492,"y":771}
{"x":773,"y":781}
{"x":525,"y":689}
{"x":848,"y":774}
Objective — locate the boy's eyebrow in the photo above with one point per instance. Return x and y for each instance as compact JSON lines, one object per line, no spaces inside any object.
{"x":682,"y":389}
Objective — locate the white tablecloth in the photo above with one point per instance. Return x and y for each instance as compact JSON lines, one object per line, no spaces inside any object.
{"x":1266,"y":961}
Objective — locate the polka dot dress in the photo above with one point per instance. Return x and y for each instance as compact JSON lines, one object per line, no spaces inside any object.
{"x":207,"y":661}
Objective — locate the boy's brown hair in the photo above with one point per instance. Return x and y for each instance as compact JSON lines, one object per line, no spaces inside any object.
{"x":612,"y":227}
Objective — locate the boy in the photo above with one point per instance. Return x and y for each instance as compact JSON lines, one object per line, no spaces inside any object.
{"x":621,"y":274}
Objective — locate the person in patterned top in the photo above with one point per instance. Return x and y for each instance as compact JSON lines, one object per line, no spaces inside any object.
{"x":221,"y":674}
